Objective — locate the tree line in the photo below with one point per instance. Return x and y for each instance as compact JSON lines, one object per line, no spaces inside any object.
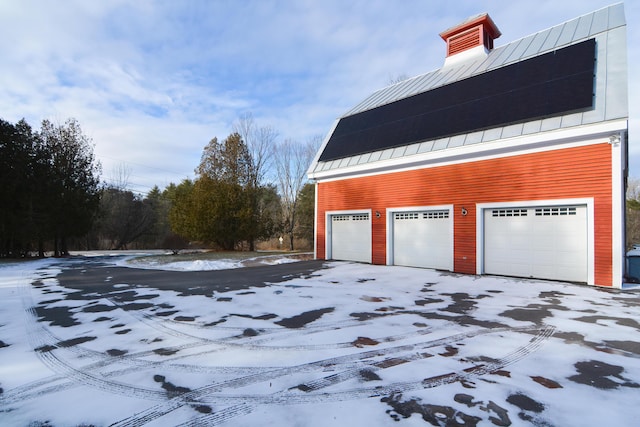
{"x":49,"y":187}
{"x":249,"y":187}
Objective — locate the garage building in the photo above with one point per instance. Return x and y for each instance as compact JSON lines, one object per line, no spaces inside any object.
{"x":508,"y":160}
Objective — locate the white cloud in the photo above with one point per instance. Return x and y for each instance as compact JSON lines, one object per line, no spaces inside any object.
{"x":152,"y":81}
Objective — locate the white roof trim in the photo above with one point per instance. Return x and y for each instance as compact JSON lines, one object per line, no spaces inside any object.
{"x":542,"y":141}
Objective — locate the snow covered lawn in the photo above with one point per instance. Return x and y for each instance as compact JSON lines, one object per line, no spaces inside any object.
{"x":345,"y":345}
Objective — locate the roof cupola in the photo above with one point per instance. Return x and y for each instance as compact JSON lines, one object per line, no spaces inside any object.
{"x":477,"y":32}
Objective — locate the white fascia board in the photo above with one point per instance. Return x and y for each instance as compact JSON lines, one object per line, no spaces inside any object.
{"x":543,"y":141}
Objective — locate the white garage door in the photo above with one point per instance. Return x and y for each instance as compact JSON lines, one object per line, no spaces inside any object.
{"x":423,"y":239}
{"x":351,"y":237}
{"x":543,"y":242}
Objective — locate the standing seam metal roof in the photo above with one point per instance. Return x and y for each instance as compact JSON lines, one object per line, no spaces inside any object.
{"x":570,"y":32}
{"x":605,"y":25}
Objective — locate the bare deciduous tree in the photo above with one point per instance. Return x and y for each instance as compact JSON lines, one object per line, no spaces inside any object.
{"x":260,"y":141}
{"x":633,"y":212}
{"x":397,"y":78}
{"x":633,"y":189}
{"x":292,"y":160}
{"x":125,"y":217}
{"x":120,"y":175}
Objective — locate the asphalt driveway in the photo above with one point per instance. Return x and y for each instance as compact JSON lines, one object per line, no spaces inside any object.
{"x":97,"y":274}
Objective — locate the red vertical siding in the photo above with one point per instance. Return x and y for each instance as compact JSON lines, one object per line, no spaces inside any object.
{"x":579,"y":172}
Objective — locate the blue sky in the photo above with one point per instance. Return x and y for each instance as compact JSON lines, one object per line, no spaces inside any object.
{"x":151,"y":82}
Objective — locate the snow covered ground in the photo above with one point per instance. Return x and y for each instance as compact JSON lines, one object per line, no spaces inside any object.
{"x":348,"y":344}
{"x":209,"y":264}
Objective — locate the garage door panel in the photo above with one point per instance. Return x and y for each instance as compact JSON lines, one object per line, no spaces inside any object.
{"x":423,"y":239}
{"x":351,"y":237}
{"x":514,"y":268}
{"x":519,"y":261}
{"x":547,"y":242}
{"x":567,"y":273}
{"x":544,"y":242}
{"x":541,"y":258}
{"x":543,"y":271}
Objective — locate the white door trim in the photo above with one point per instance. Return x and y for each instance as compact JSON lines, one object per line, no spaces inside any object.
{"x":328,"y":250}
{"x":389,"y":219}
{"x":482,"y":207}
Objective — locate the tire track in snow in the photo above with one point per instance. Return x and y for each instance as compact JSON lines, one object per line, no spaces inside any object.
{"x":220,"y":417}
{"x":478,"y":370}
{"x":44,"y":348}
{"x":209,"y":394}
{"x":380,"y":391}
{"x":84,"y":378}
{"x":266,"y":335}
{"x":27,"y":391}
{"x":44,"y":344}
{"x":42,"y":337}
{"x":242,"y":404}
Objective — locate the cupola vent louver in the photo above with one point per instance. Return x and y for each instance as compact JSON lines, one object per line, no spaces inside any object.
{"x":477,"y":31}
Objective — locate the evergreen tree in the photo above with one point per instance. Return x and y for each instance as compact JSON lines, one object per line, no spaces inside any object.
{"x":18,"y":188}
{"x":160,"y":229}
{"x":222,"y":207}
{"x":72,"y":182}
{"x":306,"y":213}
{"x":181,"y":215}
{"x":49,"y":186}
{"x":228,"y":161}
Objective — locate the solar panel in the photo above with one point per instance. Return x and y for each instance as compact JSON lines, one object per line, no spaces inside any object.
{"x":547,"y":85}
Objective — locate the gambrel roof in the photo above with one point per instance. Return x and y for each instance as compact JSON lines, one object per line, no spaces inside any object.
{"x":573,"y":74}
